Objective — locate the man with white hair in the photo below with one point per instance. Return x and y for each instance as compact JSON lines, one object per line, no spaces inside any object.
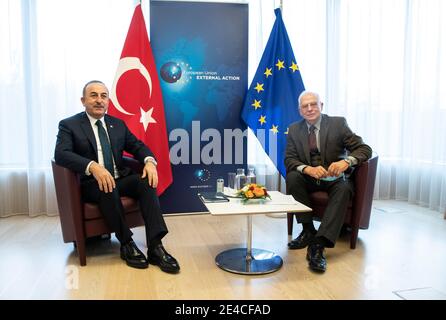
{"x":320,"y":151}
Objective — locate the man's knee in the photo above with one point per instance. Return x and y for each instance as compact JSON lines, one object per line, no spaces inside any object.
{"x":344,"y":187}
{"x":294,"y":179}
{"x":144,"y":185}
{"x":92,"y":193}
{"x":113,"y":195}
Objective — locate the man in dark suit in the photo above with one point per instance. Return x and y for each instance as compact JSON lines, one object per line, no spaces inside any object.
{"x":92,"y":143}
{"x":320,"y":151}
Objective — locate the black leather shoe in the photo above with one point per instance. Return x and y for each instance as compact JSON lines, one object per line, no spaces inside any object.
{"x":316,"y":258}
{"x":301,"y":241}
{"x":160,"y":257}
{"x":133,"y":256}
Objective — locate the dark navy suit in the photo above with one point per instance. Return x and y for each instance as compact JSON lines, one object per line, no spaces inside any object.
{"x":76,"y":147}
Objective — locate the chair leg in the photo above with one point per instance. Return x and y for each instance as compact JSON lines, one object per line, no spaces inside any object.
{"x":81,"y":252}
{"x":354,"y":237}
{"x":290,"y":223}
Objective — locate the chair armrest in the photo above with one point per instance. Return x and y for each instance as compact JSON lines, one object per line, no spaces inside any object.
{"x":365,"y":176}
{"x":133,"y":164}
{"x":68,"y":194}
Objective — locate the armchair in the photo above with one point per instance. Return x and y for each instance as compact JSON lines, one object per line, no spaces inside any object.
{"x":80,"y":220}
{"x":359,"y":208}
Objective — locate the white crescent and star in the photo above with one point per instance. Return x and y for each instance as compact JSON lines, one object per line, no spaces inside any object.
{"x":127,"y":64}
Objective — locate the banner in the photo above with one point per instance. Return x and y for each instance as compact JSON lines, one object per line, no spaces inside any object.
{"x":201,"y":55}
{"x":136,"y":97}
{"x":271,"y":103}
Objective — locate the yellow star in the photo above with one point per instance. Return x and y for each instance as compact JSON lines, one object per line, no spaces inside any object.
{"x":279,"y":64}
{"x":275,"y":129}
{"x":268,"y":72}
{"x":256,"y":104}
{"x":287,"y":130}
{"x":262,"y":120}
{"x":259,"y":87}
{"x":294,"y":66}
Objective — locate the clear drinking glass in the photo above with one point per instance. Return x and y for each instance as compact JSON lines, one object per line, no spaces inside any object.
{"x":251,"y":177}
{"x":240,"y":179}
{"x":231,"y":180}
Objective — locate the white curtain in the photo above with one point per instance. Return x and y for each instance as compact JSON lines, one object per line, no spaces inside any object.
{"x":387,"y":78}
{"x":377,"y":62}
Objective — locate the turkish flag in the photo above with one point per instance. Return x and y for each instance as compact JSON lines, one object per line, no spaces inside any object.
{"x":136,"y":97}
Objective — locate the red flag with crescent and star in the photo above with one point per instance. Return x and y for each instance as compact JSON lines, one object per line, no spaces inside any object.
{"x":136,"y":97}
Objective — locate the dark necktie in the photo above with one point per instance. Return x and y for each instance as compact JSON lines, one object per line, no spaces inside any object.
{"x":312,"y":144}
{"x":106,"y":148}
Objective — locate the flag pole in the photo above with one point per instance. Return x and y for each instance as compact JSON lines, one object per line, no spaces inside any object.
{"x":279,"y":176}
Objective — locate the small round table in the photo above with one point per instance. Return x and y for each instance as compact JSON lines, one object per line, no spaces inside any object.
{"x":247,"y":260}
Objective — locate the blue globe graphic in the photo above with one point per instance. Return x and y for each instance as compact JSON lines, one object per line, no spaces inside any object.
{"x":171,"y":72}
{"x":202,"y":175}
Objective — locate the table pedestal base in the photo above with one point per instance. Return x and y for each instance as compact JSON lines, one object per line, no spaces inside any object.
{"x":258,"y":262}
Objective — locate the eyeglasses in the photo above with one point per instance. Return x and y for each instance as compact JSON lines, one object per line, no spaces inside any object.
{"x":308,"y":105}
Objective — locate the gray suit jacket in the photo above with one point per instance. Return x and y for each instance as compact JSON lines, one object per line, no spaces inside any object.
{"x":336,"y":139}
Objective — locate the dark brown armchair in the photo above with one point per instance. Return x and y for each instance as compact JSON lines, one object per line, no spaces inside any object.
{"x":80,"y":220}
{"x":359,"y":209}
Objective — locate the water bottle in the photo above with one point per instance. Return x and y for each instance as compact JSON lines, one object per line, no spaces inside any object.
{"x":251,"y":177}
{"x":240,"y":179}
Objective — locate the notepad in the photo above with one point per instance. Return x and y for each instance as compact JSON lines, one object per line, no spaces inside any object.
{"x":208,"y":197}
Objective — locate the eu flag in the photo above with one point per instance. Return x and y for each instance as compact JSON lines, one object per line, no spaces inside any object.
{"x":271,"y":102}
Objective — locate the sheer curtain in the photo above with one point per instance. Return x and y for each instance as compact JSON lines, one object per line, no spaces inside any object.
{"x":378,"y":63}
{"x":385,"y":74}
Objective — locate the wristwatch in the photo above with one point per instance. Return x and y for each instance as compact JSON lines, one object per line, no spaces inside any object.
{"x":349,"y":161}
{"x":150,"y":159}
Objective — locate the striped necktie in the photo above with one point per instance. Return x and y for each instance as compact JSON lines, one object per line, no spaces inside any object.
{"x":312,"y":140}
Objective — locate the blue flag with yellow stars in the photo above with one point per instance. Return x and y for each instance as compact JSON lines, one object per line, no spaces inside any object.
{"x":271,"y":102}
